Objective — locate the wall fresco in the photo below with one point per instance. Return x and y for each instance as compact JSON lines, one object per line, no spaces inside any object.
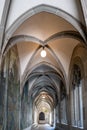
{"x":10,"y":91}
{"x":13,"y":97}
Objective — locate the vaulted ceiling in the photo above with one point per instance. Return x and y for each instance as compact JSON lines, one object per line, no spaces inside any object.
{"x":59,"y":36}
{"x":50,"y":31}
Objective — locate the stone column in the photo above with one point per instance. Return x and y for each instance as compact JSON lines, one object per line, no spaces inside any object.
{"x":6,"y":89}
{"x":3,"y":92}
{"x":13,"y":92}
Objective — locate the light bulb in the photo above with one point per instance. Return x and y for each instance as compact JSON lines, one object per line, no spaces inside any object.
{"x":43,"y":53}
{"x":43,"y":97}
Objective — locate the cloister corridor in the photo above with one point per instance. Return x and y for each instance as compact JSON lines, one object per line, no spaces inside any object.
{"x":43,"y":64}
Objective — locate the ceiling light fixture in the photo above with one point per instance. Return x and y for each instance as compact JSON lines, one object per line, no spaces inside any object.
{"x":43,"y":53}
{"x":43,"y":97}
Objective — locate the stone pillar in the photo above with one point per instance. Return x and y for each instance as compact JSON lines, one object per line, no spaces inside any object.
{"x":30,"y":112}
{"x":57,"y":114}
{"x":13,"y":92}
{"x":26,"y":108}
{"x":85,"y":102}
{"x":52,"y":117}
{"x":68,"y":110}
{"x":3,"y":93}
{"x":6,"y":66}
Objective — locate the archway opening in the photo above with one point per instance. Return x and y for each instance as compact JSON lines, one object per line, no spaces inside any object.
{"x":41,"y":116}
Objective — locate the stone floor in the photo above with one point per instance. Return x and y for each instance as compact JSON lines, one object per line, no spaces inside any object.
{"x":40,"y":127}
{"x":45,"y":127}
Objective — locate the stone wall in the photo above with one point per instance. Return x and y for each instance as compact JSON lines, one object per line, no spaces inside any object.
{"x":79,"y":58}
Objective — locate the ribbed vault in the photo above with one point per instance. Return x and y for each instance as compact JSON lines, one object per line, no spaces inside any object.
{"x":44,"y":81}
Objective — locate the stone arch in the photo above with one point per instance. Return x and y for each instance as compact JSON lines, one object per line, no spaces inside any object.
{"x":25,"y":77}
{"x":64,"y":34}
{"x":50,"y":9}
{"x":77,"y":62}
{"x":76,"y":92}
{"x":41,"y":116}
{"x":77,"y":59}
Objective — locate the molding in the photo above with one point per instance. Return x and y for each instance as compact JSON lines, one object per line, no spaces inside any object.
{"x":20,"y":38}
{"x":65,"y":34}
{"x":27,"y":38}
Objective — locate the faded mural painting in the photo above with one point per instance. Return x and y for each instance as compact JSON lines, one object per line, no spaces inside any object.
{"x":10,"y":91}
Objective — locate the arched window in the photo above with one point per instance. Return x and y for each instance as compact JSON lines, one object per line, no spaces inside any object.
{"x":76,"y":98}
